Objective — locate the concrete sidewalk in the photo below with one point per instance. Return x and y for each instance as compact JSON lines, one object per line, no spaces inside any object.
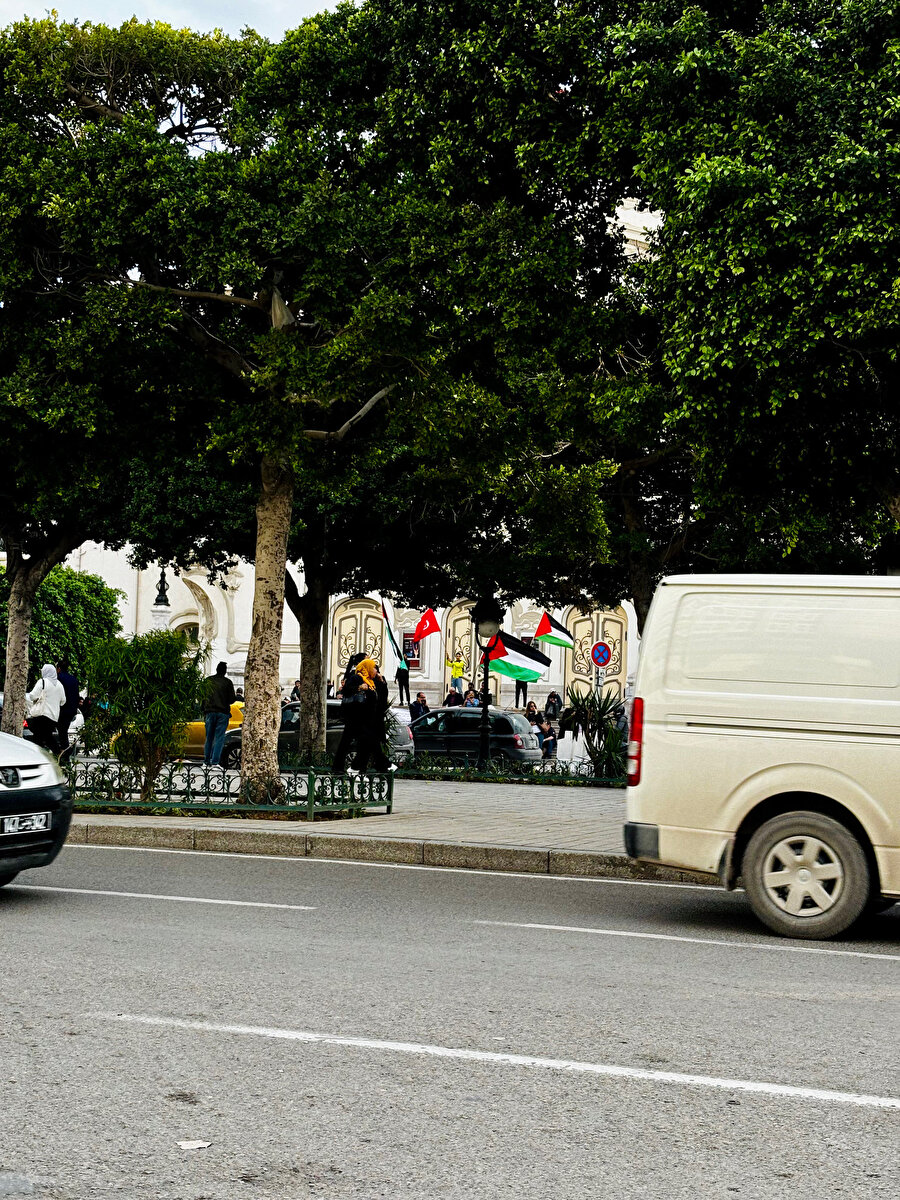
{"x":482,"y":826}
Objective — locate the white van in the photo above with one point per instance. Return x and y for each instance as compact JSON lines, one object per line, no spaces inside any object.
{"x":765,"y":742}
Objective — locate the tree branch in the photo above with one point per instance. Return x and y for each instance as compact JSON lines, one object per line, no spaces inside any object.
{"x":649,"y":460}
{"x":222,"y":297}
{"x":226,"y":356}
{"x":89,"y":104}
{"x":338,"y":435}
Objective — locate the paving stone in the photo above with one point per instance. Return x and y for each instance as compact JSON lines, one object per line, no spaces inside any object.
{"x":237,"y":840}
{"x":486,"y":858}
{"x":104,"y":833}
{"x":617,"y":866}
{"x":368,"y":849}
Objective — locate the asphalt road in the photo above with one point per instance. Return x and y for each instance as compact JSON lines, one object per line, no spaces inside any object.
{"x":355,"y":1030}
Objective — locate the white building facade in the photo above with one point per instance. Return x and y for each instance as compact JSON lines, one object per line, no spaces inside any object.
{"x":220,"y":614}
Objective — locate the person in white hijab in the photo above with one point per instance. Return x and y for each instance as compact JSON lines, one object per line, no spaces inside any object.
{"x":44,"y":702}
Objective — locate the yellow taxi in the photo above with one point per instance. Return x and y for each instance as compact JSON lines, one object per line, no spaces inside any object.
{"x":196,"y":731}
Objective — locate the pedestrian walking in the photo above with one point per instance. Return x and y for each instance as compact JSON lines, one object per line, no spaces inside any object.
{"x":521,"y":691}
{"x":69,"y":709}
{"x":218,"y":697}
{"x":419,"y":707}
{"x":457,"y":670}
{"x":44,"y":702}
{"x":363,"y":705}
{"x":401,"y":675}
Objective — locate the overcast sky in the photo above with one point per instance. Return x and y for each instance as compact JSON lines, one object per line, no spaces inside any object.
{"x":268,"y":17}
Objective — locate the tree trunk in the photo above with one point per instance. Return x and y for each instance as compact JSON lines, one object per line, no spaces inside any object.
{"x":311,"y":611}
{"x":260,"y":779}
{"x":25,"y":576}
{"x":21,"y":606}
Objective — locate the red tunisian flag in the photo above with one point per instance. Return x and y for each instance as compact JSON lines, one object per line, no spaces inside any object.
{"x":428,"y":623}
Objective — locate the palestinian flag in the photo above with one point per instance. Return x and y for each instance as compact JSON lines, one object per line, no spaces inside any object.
{"x":392,"y":639}
{"x":551,"y":631}
{"x":509,"y":656}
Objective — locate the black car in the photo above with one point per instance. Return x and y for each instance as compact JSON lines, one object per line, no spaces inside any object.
{"x":400,"y":744}
{"x":456,"y":733}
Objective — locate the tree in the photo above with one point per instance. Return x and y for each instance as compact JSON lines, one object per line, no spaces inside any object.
{"x":86,"y":393}
{"x":145,"y":690}
{"x":770,"y":146}
{"x":73,"y":611}
{"x":333,"y":236}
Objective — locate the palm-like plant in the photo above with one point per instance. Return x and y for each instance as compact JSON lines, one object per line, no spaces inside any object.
{"x":595,"y":716}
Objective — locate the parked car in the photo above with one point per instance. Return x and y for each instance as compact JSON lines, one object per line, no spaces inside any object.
{"x":35,"y":807}
{"x":400,"y":742}
{"x":456,"y":733}
{"x":764,"y":742}
{"x":196,"y":730}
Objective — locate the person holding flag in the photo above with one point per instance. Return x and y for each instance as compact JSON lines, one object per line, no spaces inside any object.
{"x":401,"y":675}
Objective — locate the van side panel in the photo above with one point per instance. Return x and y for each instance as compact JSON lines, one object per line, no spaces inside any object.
{"x":755,"y":690}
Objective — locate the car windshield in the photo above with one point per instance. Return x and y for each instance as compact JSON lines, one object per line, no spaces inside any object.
{"x":290,"y":716}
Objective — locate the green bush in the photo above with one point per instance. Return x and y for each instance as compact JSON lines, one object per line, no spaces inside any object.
{"x":144,"y":692}
{"x":73,"y":611}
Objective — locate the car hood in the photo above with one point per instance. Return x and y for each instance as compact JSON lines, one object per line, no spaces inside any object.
{"x":17,"y":752}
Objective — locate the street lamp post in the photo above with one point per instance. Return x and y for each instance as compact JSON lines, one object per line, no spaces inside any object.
{"x":487,"y":616}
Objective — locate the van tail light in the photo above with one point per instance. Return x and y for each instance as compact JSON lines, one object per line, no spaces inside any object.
{"x":636,"y":742}
{"x":517,"y":741}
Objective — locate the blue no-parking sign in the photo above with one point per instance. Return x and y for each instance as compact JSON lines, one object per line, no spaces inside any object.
{"x":601,"y":653}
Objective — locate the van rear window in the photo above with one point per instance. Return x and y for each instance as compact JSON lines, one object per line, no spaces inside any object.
{"x":826,"y":640}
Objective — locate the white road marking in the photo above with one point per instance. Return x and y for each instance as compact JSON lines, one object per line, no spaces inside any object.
{"x":23,"y":887}
{"x":672,"y":937}
{"x":352,"y":862}
{"x":516,"y":1060}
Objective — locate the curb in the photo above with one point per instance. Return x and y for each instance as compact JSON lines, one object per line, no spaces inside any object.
{"x":463,"y":855}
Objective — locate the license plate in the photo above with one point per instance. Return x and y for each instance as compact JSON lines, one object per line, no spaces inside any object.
{"x":27,"y":823}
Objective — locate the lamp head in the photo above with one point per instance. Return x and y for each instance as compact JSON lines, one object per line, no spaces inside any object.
{"x":487,"y":616}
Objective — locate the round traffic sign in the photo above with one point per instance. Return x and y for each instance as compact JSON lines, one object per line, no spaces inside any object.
{"x":601,"y":653}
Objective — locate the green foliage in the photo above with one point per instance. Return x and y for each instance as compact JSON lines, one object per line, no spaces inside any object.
{"x":73,"y":611}
{"x":144,"y":692}
{"x":770,"y":146}
{"x":593,"y":715}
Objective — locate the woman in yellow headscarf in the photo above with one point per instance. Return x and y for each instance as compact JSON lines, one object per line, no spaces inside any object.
{"x":367,"y":670}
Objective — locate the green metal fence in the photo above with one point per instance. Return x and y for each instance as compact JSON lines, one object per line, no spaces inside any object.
{"x":107,"y":783}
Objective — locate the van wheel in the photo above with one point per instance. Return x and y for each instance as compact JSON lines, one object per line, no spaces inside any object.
{"x":806,"y":875}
